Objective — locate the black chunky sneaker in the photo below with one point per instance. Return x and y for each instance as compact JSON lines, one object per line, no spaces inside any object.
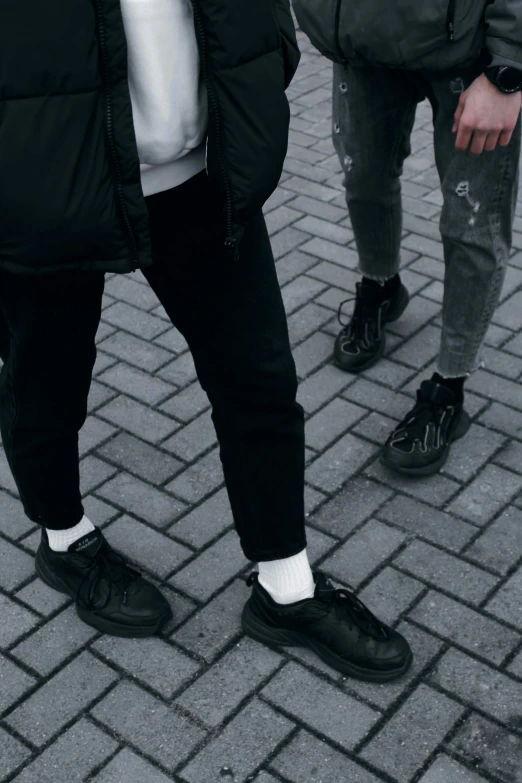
{"x":335,"y":624}
{"x":110,"y":596}
{"x":420,"y":445}
{"x":361,"y":342}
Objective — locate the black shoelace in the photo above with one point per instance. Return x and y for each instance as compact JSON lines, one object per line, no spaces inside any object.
{"x":423,"y":416}
{"x":108,"y":565}
{"x":348,"y":606}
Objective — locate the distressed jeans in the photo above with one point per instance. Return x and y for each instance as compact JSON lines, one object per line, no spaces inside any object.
{"x":373,"y":117}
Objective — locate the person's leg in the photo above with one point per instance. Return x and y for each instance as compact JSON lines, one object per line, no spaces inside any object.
{"x":373,"y":116}
{"x":233,"y":319}
{"x":476,"y":225}
{"x":48,"y":326}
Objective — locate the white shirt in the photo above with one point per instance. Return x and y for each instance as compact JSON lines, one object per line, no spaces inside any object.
{"x":169,"y":103}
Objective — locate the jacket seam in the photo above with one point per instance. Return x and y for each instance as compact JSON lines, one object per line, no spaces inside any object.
{"x":49,"y":95}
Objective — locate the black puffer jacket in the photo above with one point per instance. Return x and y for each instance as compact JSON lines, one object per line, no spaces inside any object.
{"x":70,"y":192}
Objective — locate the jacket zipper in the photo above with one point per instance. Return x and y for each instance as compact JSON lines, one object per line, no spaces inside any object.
{"x":230,"y":241}
{"x":110,"y":135}
{"x":337,"y":23}
{"x":450,"y":19}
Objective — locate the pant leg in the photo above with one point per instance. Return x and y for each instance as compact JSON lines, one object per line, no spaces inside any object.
{"x":48,"y":325}
{"x":373,"y":117}
{"x":232,"y":316}
{"x":476,"y":224}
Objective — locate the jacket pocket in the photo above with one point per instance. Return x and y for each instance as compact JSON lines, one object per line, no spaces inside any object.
{"x":320,"y":20}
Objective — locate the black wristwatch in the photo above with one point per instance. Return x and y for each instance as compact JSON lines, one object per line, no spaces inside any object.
{"x":508,"y":80}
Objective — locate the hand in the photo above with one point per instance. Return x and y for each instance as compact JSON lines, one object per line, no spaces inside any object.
{"x":485,"y":117}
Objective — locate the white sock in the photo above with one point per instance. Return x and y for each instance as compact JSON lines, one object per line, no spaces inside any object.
{"x":61,"y":540}
{"x":288,"y":580}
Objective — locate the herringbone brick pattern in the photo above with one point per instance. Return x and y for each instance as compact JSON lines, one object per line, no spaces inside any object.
{"x":439,"y":558}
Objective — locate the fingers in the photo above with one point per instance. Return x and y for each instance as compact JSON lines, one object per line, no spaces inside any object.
{"x":492,"y":141}
{"x":505,"y":138}
{"x":464,"y":134}
{"x":478,"y":142}
{"x":458,"y":113}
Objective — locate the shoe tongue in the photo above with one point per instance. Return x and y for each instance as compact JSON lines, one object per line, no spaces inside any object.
{"x":88,"y":545}
{"x":436,"y":393}
{"x":323,"y":586}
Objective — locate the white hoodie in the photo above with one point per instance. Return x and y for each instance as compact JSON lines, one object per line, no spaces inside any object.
{"x":169,"y":103}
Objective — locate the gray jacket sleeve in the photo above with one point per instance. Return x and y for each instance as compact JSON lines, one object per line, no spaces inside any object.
{"x":504,"y":32}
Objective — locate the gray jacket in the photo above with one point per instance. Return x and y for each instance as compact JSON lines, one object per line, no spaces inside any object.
{"x":414,"y":34}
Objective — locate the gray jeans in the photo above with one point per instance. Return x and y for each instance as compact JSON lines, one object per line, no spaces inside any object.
{"x":374,"y":112}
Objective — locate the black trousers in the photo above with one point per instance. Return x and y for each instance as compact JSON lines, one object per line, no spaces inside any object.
{"x":231,"y":315}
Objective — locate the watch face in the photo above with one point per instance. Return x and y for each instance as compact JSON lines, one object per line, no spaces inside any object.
{"x":509,"y":79}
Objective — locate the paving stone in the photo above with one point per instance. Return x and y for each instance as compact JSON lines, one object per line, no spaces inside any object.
{"x":16,"y":621}
{"x":377,"y":398}
{"x":187,"y":404}
{"x":154,"y":728}
{"x":479,"y":685}
{"x":299,"y":291}
{"x":6,"y":477}
{"x":465,"y":627}
{"x":490,"y":749}
{"x":200,"y":479}
{"x":72,"y":756}
{"x":306,"y":188}
{"x":480,"y":445}
{"x":152,"y":661}
{"x":41,"y":598}
{"x":14,"y":683}
{"x":500,"y":546}
{"x":347,"y":456}
{"x":436,"y":489}
{"x":292,"y":265}
{"x":214,"y":626}
{"x":137,"y":383}
{"x":138,"y":457}
{"x":172,"y":340}
{"x":129,"y":767}
{"x":370,"y":547}
{"x":323,"y":707}
{"x":98,"y":511}
{"x":160,"y":554}
{"x":506,"y":604}
{"x":313,"y":352}
{"x":346,"y":510}
{"x":447,"y":770}
{"x":307,"y":758}
{"x":287,"y":240}
{"x":510,"y":457}
{"x":375,"y":427}
{"x":404,"y":744}
{"x":124,"y":288}
{"x":151,"y":504}
{"x":318,"y":544}
{"x":390,"y":593}
{"x":389,"y":373}
{"x":12,"y":755}
{"x":49,"y":646}
{"x":193,"y":439}
{"x":320,"y":209}
{"x":441,"y":569}
{"x":516,"y":666}
{"x":210,"y":570}
{"x":330,"y":422}
{"x":420,"y":349}
{"x":55,"y":703}
{"x":280,"y":218}
{"x":133,"y":350}
{"x":133,"y":320}
{"x":223,"y":687}
{"x":241,"y":747}
{"x":146,"y":423}
{"x":313,"y":498}
{"x":427,"y":522}
{"x":509,"y":314}
{"x":321,"y":387}
{"x":93,"y":472}
{"x":492,"y":489}
{"x":496,"y":388}
{"x":205,"y":522}
{"x":502,"y":363}
{"x":93,"y":433}
{"x":15,"y":566}
{"x":341,"y":277}
{"x":14,"y":522}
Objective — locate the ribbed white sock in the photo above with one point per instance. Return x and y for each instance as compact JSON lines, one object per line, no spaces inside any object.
{"x":61,"y":540}
{"x":288,"y":580}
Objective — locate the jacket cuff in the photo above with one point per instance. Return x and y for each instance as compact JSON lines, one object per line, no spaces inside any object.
{"x":504,"y":53}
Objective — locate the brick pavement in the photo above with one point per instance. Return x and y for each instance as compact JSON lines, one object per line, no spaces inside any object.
{"x":440,"y":558}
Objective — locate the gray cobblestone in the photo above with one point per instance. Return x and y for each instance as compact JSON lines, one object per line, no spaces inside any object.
{"x":441,"y":569}
{"x":330,"y":422}
{"x":338,"y":463}
{"x":41,"y":598}
{"x":12,"y":754}
{"x":149,"y":503}
{"x":141,"y":458}
{"x":323,"y":707}
{"x":489,"y":748}
{"x":148,"y":724}
{"x":422,"y":520}
{"x":199,"y":479}
{"x":321,"y":387}
{"x":93,"y":472}
{"x":180,"y":371}
{"x":187,"y":404}
{"x":133,"y":320}
{"x":355,"y":503}
{"x":500,"y":546}
{"x":137,"y":383}
{"x":506,"y":602}
{"x":193,"y":439}
{"x":447,"y":770}
{"x":390,"y":593}
{"x":145,"y":546}
{"x":14,"y":522}
{"x":510,"y":457}
{"x":72,"y":757}
{"x":56,"y":702}
{"x":14,"y":682}
{"x":205,"y":522}
{"x":15,"y":566}
{"x":148,"y":424}
{"x":16,"y":621}
{"x":486,"y":495}
{"x":209,"y":571}
{"x":464,"y":463}
{"x":129,"y":767}
{"x":134,"y":350}
{"x":404,"y":744}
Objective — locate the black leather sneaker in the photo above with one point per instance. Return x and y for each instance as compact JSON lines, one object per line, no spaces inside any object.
{"x":420,"y":445}
{"x":110,"y":596}
{"x":361,"y":342}
{"x":335,"y":624}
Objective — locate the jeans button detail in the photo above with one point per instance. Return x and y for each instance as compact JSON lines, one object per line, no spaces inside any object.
{"x":343,"y":87}
{"x":336,"y":127}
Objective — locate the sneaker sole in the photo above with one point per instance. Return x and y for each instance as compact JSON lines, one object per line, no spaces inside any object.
{"x":430,"y":470}
{"x":99,"y":623}
{"x":394,"y":315}
{"x":279,"y":638}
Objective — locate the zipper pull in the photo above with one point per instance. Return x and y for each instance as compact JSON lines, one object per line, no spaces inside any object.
{"x":451,"y":30}
{"x":232,"y":248}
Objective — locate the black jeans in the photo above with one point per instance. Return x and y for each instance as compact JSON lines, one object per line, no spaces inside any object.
{"x":231,"y":315}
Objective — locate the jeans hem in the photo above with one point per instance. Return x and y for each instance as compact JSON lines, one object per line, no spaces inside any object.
{"x":267,"y":556}
{"x":457,"y":368}
{"x":382,"y":279}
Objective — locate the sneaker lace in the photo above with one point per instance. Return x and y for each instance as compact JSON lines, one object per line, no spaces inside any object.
{"x":420,"y":418}
{"x":349,"y":607}
{"x":108,"y":565}
{"x":365,"y":325}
